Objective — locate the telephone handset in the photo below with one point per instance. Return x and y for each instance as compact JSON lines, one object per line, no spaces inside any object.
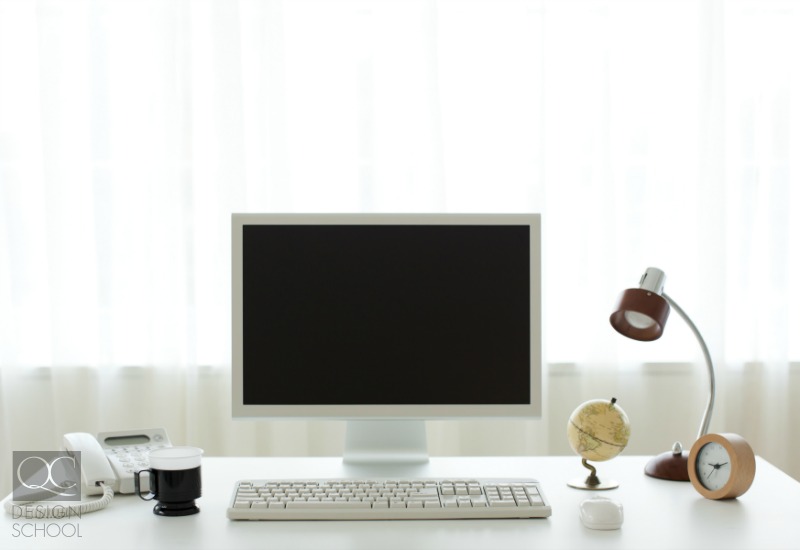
{"x":108,"y":463}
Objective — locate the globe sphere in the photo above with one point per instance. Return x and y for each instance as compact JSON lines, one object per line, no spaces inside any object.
{"x":598,"y":430}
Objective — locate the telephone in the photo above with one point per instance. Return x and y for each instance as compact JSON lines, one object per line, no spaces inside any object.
{"x":108,"y":463}
{"x":113,"y":457}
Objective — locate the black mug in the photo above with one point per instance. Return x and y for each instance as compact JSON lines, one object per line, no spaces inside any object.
{"x":175,"y":480}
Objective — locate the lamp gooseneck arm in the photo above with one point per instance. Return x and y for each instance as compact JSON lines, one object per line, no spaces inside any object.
{"x":712,"y":383}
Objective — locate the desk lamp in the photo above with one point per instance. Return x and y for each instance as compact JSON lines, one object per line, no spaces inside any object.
{"x":641,"y":314}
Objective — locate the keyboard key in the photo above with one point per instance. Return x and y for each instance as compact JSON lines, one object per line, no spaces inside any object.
{"x":306,"y":504}
{"x":505,"y":503}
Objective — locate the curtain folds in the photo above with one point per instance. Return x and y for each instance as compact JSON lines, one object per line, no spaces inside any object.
{"x":650,"y":133}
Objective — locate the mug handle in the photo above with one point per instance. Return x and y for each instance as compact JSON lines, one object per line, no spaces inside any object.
{"x":136,"y":485}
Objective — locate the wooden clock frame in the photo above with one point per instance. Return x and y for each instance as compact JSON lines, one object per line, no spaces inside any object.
{"x":743,"y":466}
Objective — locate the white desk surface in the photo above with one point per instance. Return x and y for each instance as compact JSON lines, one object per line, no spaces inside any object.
{"x":658,"y":514}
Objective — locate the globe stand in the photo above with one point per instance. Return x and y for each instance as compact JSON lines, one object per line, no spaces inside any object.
{"x":592,"y":482}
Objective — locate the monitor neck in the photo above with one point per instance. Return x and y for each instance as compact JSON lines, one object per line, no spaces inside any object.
{"x":384,"y":442}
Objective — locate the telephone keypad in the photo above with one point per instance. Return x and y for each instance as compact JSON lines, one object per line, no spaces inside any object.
{"x":128,"y":452}
{"x":133,"y":459}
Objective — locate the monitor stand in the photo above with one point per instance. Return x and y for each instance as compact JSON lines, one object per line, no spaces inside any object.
{"x":385,"y":442}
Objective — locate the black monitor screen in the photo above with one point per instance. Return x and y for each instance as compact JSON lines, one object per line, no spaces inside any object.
{"x":386,"y":314}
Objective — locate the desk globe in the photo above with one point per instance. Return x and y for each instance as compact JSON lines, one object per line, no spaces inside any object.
{"x":597,"y":430}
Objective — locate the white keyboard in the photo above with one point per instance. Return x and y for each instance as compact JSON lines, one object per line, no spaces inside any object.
{"x":381,"y":499}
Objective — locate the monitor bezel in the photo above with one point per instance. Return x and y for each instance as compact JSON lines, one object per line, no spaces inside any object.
{"x":383,"y":412}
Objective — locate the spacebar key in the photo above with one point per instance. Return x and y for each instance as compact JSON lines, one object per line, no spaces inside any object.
{"x":327,"y":505}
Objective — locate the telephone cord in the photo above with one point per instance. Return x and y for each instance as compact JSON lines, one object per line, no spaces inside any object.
{"x":33,"y":510}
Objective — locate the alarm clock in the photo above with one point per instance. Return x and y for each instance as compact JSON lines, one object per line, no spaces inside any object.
{"x":721,"y":466}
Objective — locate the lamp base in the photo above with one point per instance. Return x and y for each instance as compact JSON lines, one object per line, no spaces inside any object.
{"x":670,"y":465}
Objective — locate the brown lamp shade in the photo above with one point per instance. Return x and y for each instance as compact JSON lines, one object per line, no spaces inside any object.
{"x":640,"y":314}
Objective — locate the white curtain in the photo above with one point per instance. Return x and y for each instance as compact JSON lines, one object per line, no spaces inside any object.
{"x":653,"y":133}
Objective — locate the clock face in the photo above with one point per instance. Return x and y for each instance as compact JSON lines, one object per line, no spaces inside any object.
{"x":713,"y":466}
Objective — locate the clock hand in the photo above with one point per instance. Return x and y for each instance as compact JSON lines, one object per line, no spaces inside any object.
{"x":715,"y":467}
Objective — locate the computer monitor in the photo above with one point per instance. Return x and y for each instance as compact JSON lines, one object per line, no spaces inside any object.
{"x":386,"y":320}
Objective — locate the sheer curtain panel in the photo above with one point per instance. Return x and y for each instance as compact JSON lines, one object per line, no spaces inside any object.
{"x":646,"y":133}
